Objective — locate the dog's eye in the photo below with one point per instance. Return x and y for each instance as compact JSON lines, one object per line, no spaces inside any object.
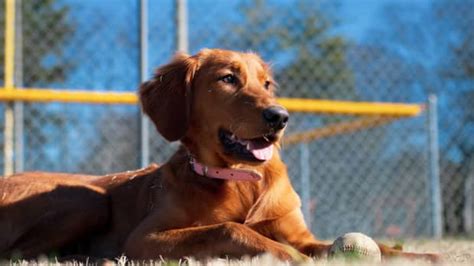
{"x":231,"y":79}
{"x":267,"y":85}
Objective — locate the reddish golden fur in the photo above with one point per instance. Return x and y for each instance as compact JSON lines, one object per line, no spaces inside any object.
{"x":170,"y":210}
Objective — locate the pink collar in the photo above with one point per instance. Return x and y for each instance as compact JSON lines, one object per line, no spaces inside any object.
{"x":223,"y":173}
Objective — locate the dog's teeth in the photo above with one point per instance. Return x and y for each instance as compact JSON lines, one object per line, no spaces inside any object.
{"x":232,"y":137}
{"x":266,"y":138}
{"x":248,"y":146}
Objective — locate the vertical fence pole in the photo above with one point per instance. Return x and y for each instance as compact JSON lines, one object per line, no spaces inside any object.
{"x":305,"y":182}
{"x":8,"y":148}
{"x":182,"y":26}
{"x":469,"y":201}
{"x":18,"y":79}
{"x":434,"y":179}
{"x":144,"y":122}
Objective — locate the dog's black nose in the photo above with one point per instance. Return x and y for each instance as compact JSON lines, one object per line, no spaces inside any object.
{"x":276,"y":116}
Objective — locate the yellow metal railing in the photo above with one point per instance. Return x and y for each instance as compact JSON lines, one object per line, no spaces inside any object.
{"x":351,"y":108}
{"x":292,"y":104}
{"x":67,"y":96}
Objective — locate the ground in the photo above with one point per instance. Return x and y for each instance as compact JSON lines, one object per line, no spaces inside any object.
{"x":454,"y":251}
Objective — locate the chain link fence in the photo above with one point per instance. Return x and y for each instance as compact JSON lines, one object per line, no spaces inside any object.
{"x":375,"y":180}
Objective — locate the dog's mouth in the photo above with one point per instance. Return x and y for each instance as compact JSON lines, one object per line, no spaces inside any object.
{"x":257,"y":149}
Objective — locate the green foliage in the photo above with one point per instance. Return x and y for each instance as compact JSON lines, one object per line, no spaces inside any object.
{"x":317,"y":66}
{"x":45,"y":30}
{"x":435,"y":50}
{"x":321,"y":72}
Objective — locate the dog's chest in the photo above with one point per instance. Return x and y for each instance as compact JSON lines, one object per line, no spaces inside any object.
{"x":231,"y":204}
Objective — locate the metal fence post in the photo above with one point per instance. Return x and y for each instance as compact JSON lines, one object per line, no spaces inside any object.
{"x":18,"y":79}
{"x":9,"y":68}
{"x":144,"y":122}
{"x":434,"y":179}
{"x":182,"y":26}
{"x":305,"y":182}
{"x":469,"y":202}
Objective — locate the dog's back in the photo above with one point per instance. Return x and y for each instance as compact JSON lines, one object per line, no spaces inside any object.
{"x":43,"y":212}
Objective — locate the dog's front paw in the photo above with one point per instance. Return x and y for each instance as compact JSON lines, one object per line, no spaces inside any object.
{"x":432,"y":257}
{"x":288,"y":253}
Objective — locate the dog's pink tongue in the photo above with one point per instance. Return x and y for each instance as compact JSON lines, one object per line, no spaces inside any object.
{"x":263,"y":154}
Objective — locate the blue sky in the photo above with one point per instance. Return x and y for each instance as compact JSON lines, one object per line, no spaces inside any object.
{"x":355,"y":19}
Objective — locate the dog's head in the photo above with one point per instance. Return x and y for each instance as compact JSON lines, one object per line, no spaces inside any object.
{"x":219,"y":103}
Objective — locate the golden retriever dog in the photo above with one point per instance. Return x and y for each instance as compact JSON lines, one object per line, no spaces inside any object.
{"x":225,"y":192}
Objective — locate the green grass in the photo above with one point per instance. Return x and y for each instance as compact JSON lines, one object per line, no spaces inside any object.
{"x":454,"y":251}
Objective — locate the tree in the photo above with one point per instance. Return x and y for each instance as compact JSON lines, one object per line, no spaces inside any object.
{"x":434,"y":40}
{"x":314,"y":57}
{"x":458,"y":71}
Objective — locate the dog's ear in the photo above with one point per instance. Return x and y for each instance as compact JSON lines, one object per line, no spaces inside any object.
{"x":166,"y":98}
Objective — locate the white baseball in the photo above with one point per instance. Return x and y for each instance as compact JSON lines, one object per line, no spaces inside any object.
{"x":356,"y":245}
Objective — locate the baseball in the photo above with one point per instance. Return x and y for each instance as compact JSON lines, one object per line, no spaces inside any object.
{"x":355,"y":246}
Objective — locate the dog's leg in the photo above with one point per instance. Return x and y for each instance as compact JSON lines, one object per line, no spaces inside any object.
{"x":292,"y":229}
{"x":225,"y":239}
{"x":389,"y":252}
